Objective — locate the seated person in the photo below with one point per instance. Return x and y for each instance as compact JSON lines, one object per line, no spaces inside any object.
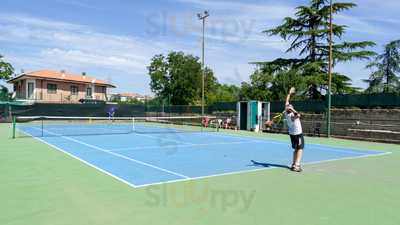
{"x":205,"y":121}
{"x":227,"y":123}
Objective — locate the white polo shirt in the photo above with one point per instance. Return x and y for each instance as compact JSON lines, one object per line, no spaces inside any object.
{"x":293,"y":125}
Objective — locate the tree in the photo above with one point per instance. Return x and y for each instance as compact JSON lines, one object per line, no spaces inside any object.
{"x":4,"y":95}
{"x":258,"y":88}
{"x":6,"y":69}
{"x":246,"y":92}
{"x":211,"y":87}
{"x":224,"y":93}
{"x":283,"y":81}
{"x":309,"y":35}
{"x":387,"y":67}
{"x":178,"y":78}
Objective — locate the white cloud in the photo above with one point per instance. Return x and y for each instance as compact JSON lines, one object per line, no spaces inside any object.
{"x":77,"y":3}
{"x":388,"y":5}
{"x":234,"y":39}
{"x":356,"y":24}
{"x":126,"y":64}
{"x":237,"y":23}
{"x":271,"y":10}
{"x":27,"y":21}
{"x":69,"y":43}
{"x":57,"y":45}
{"x":69,"y":46}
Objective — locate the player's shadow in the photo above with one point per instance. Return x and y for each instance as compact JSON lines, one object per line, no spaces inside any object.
{"x":268,"y":165}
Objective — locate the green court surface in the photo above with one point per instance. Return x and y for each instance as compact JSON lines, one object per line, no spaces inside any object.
{"x":40,"y":185}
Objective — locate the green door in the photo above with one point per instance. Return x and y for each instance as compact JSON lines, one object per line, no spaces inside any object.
{"x":253,"y":114}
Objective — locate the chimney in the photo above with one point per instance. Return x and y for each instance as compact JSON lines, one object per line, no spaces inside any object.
{"x":63,"y":73}
{"x":84,"y":75}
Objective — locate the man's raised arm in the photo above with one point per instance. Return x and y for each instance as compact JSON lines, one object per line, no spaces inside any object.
{"x":287,"y":99}
{"x":291,"y":91}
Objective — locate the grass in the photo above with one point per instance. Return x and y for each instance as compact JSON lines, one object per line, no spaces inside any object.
{"x":40,"y":185}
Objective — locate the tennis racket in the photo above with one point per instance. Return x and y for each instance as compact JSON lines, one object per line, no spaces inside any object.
{"x":277,"y":119}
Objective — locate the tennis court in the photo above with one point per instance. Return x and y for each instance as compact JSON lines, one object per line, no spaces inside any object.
{"x":44,"y":185}
{"x":141,"y":154}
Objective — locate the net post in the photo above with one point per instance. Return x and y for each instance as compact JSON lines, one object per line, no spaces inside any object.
{"x":14,"y":123}
{"x":133,"y":124}
{"x":42,"y":120}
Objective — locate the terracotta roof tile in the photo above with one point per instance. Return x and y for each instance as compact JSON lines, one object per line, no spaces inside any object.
{"x":49,"y":74}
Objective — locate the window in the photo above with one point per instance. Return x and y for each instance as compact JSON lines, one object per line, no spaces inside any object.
{"x":31,"y":90}
{"x":51,"y":88}
{"x":74,"y":90}
{"x":89,"y":92}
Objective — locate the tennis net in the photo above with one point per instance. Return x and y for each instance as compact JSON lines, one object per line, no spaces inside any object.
{"x":44,"y":126}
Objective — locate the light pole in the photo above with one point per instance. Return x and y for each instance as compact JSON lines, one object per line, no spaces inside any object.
{"x":203,"y":17}
{"x":328,"y":122}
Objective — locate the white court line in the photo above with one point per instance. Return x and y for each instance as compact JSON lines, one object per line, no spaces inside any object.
{"x":81,"y":160}
{"x":260,"y":169}
{"x":318,"y":146}
{"x":210,"y":176}
{"x":268,"y":139}
{"x":118,"y":155}
{"x":180,"y":146}
{"x":347,"y":158}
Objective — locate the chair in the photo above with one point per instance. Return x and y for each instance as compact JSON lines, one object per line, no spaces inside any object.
{"x":317,"y":129}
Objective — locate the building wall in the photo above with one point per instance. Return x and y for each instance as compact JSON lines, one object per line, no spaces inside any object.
{"x":100,"y":93}
{"x":19,"y":88}
{"x":63,"y":93}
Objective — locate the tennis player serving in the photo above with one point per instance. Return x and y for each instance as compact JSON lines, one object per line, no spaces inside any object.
{"x":295,"y":131}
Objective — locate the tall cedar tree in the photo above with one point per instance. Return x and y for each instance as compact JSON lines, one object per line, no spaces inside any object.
{"x":387,"y":65}
{"x":308,"y":32}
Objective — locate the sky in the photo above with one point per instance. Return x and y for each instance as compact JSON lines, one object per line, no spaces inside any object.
{"x":115,"y":40}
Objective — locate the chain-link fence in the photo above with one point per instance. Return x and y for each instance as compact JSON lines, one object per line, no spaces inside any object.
{"x":372,"y":117}
{"x":362,"y":124}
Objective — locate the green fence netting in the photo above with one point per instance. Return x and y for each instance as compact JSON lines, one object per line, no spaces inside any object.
{"x":102,"y":110}
{"x":384,"y":100}
{"x":128,"y":110}
{"x":303,"y":106}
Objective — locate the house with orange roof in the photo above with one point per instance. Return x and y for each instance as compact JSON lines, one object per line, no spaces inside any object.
{"x":53,"y":86}
{"x":126,"y":97}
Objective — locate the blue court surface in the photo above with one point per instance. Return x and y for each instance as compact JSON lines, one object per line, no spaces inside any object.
{"x":145,"y":158}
